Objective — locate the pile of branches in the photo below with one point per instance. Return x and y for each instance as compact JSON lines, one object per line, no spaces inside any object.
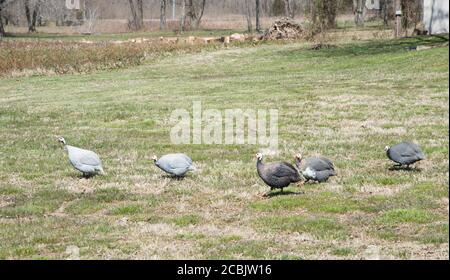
{"x":284,"y":29}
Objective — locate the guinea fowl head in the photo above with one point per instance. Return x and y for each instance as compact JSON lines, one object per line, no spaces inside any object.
{"x":154,"y":158}
{"x":298,"y":159}
{"x":387,"y":148}
{"x":62,"y":140}
{"x":259,"y":156}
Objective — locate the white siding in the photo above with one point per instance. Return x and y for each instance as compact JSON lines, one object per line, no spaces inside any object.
{"x":435,"y":16}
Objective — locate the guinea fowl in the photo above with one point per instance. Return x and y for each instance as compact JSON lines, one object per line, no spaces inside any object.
{"x":404,"y":153}
{"x":83,"y":160}
{"x":174,"y":164}
{"x":277,"y":175}
{"x":317,"y":169}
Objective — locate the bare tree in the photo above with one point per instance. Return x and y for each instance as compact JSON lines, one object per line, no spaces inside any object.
{"x":287,"y":9}
{"x":313,"y":12}
{"x":258,"y":11}
{"x":2,"y":29}
{"x":411,"y":14}
{"x":183,"y":15}
{"x":248,"y":16}
{"x":323,"y":14}
{"x":195,"y":11}
{"x":330,"y":9}
{"x":360,"y":11}
{"x":384,"y":11}
{"x":137,"y":14}
{"x":92,"y":15}
{"x":53,"y":10}
{"x":31,"y":12}
{"x":162,"y":16}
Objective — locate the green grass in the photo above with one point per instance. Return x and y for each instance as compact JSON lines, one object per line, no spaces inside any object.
{"x":323,"y":202}
{"x":342,"y":251}
{"x":130,"y":209}
{"x":319,"y":227}
{"x":406,"y":216}
{"x":345,"y":103}
{"x":186,"y":220}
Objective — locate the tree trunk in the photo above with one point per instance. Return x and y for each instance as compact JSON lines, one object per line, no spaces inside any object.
{"x":140,"y":13}
{"x":287,"y":9}
{"x":195,"y":11}
{"x":31,"y":13}
{"x":258,"y":10}
{"x":133,"y":15}
{"x":330,"y":7}
{"x":360,"y":12}
{"x":162,"y":18}
{"x":2,"y":30}
{"x":248,"y":16}
{"x":34,"y":17}
{"x":200,"y":16}
{"x":137,"y":14}
{"x":384,"y":11}
{"x":313,"y":12}
{"x":183,"y":15}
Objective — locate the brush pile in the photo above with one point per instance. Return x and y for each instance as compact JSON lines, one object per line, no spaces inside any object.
{"x":284,"y":29}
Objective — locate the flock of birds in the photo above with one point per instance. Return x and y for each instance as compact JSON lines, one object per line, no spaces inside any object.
{"x":277,"y":175}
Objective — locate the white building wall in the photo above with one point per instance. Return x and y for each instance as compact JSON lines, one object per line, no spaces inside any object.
{"x":435,"y":16}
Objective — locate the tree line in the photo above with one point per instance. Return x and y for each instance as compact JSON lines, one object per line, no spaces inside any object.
{"x":321,"y":13}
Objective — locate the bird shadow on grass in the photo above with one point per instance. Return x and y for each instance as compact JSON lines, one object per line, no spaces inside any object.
{"x":177,"y":178}
{"x":279,"y":193}
{"x":82,"y":176}
{"x":404,"y":168}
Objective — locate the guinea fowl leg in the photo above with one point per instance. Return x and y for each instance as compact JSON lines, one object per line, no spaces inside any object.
{"x":266,"y":194}
{"x":301,"y":185}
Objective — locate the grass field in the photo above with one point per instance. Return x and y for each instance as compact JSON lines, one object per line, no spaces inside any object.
{"x":346,"y":103}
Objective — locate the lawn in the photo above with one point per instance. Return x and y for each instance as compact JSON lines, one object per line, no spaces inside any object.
{"x":346,"y":103}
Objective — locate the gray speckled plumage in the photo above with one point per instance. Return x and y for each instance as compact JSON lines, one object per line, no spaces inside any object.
{"x":83,"y":160}
{"x":316,"y":168}
{"x":175,"y":164}
{"x":277,"y":174}
{"x":405,"y":153}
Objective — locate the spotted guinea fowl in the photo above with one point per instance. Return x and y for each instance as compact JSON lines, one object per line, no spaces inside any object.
{"x":174,"y":164}
{"x":83,"y":160}
{"x":277,"y":175}
{"x":405,"y":153}
{"x":317,"y":169}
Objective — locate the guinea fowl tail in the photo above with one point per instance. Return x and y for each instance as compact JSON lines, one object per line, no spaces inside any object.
{"x":101,"y":171}
{"x":421,"y":156}
{"x":192,"y":168}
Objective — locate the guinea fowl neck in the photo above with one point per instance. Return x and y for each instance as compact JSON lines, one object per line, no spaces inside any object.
{"x":259,"y":163}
